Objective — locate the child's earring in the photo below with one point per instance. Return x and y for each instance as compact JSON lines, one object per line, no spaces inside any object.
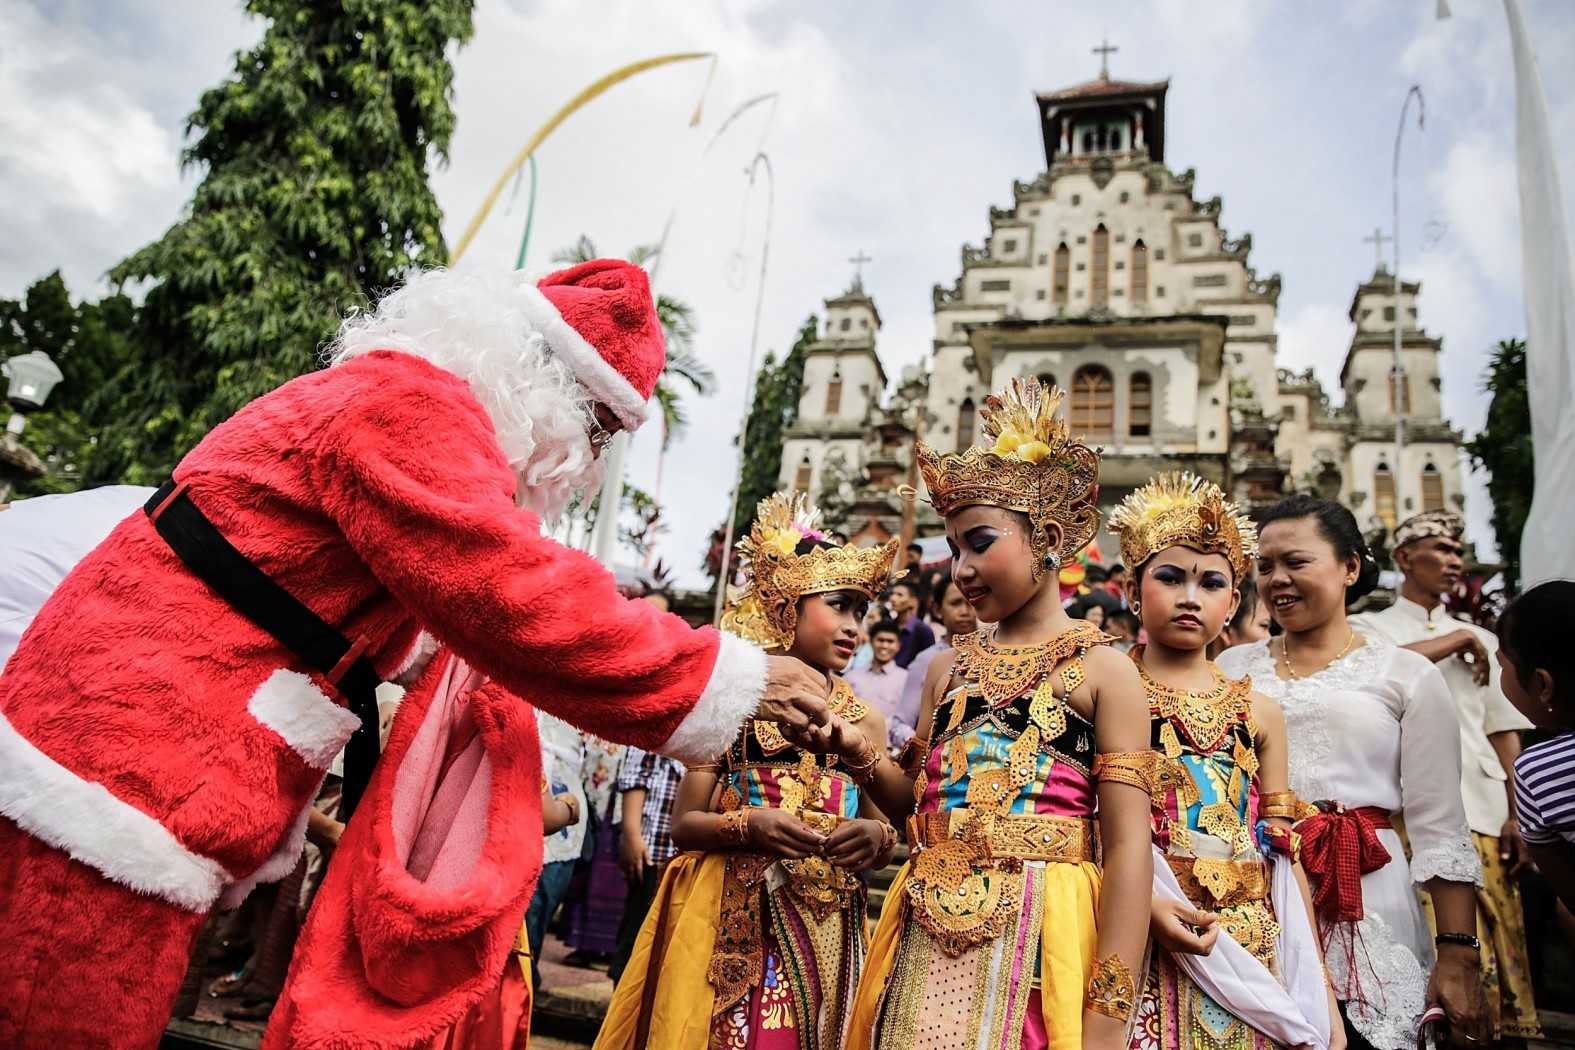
{"x":1137,"y":608}
{"x":1053,"y":561}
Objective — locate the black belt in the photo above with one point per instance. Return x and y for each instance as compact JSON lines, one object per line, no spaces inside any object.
{"x":249,"y":590}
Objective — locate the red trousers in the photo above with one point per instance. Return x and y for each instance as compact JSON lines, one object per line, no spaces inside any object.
{"x":84,"y":962}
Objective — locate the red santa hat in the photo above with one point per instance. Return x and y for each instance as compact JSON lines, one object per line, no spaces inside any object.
{"x":600,"y":320}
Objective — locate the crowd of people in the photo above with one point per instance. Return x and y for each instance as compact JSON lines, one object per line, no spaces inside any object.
{"x":1211,"y":796}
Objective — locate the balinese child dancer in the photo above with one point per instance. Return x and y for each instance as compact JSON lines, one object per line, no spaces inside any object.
{"x":998,"y":932}
{"x":756,"y":937}
{"x":1223,"y":846}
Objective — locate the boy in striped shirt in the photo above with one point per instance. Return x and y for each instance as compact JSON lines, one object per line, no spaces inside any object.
{"x":1539,"y":679}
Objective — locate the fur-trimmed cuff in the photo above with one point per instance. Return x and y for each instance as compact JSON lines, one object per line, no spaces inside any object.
{"x":112,"y":837}
{"x":738,"y":681}
{"x":277,"y":866}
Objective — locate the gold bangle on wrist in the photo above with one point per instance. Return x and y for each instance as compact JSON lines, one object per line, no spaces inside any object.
{"x":1111,"y":990}
{"x":734,"y":828}
{"x":862,"y":770}
{"x":888,"y":837}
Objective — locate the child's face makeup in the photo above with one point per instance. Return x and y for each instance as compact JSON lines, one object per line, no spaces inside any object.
{"x":992,"y":562}
{"x":827,"y":635}
{"x":1187,"y":597}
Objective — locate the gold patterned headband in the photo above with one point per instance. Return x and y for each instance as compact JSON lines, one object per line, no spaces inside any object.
{"x":1428,"y":524}
{"x":1034,"y":466}
{"x":765,"y":609}
{"x":1182,"y":509}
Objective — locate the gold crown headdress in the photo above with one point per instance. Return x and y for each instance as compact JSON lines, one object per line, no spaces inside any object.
{"x":1186,"y":510}
{"x":765,"y":609}
{"x":1034,"y":466}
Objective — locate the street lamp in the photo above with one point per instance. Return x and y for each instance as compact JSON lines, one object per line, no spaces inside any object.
{"x":31,"y":378}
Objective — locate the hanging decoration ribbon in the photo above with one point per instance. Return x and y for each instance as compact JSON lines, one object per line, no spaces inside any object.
{"x":590,"y":93}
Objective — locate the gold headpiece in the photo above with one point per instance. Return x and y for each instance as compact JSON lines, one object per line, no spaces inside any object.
{"x":1186,"y":510}
{"x":765,"y":609}
{"x":1034,"y":467}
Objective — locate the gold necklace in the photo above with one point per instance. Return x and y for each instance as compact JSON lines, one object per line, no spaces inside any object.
{"x":1285,"y":654}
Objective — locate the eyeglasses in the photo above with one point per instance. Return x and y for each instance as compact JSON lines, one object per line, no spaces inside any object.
{"x":600,"y":437}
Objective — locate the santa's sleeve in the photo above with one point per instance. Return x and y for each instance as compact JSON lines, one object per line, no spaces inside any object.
{"x":413,"y":477}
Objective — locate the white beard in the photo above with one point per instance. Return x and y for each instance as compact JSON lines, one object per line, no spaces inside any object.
{"x":470,"y":324}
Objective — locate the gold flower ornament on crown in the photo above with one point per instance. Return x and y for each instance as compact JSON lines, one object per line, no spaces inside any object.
{"x":1033,"y":465}
{"x":765,"y":609}
{"x":1182,"y":509}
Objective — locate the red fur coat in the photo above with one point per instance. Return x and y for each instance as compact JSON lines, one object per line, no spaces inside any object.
{"x":152,"y":733}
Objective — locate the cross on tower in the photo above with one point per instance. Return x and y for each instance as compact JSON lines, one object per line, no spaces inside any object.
{"x":1377,"y":241}
{"x":858,"y":261}
{"x":1104,"y":51}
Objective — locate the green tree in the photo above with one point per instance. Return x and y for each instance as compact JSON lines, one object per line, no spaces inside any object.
{"x":315,"y":152}
{"x":683,"y":367}
{"x":774,"y":410}
{"x":1503,"y":448}
{"x":90,"y":342}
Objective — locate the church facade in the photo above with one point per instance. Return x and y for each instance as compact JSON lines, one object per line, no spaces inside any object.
{"x":1108,"y":278}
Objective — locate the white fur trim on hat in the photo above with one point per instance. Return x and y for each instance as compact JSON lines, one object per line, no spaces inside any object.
{"x":606,"y":384}
{"x":738,"y":681}
{"x":113,"y":837}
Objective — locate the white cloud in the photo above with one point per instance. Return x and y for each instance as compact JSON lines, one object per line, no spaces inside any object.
{"x":896,"y":130}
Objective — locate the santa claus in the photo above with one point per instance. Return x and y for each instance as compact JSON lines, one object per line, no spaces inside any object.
{"x":171,"y":712}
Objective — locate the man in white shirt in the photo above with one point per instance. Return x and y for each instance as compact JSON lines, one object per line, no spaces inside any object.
{"x":1429,"y":553}
{"x":43,"y":539}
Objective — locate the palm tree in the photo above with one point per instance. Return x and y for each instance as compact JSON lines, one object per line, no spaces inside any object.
{"x":677,"y":318}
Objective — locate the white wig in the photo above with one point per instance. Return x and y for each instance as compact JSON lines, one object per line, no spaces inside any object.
{"x":472,"y":324}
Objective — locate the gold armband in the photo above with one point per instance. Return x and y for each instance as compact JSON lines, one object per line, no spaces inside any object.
{"x":1111,"y":990}
{"x":1136,"y":768}
{"x":913,"y":755}
{"x":1283,"y":805}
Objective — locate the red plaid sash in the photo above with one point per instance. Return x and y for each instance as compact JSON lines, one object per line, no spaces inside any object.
{"x":1339,"y":846}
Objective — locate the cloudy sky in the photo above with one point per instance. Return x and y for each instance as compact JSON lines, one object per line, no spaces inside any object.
{"x":897,"y":126}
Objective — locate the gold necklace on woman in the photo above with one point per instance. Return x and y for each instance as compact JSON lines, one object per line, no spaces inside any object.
{"x":1285,"y":654}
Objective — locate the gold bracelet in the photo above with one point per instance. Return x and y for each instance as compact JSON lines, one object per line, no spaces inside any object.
{"x":862,"y":771}
{"x":1283,"y":805}
{"x":888,"y":838}
{"x":1111,"y":990}
{"x":735,"y":827}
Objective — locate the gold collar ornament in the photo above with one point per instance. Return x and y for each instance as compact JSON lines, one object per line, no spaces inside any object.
{"x":1034,"y":466}
{"x":1182,"y":509}
{"x":765,"y":609}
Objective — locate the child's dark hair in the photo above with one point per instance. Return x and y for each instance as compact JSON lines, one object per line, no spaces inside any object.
{"x":886,"y":627}
{"x":1534,"y":630}
{"x":807,"y":545}
{"x":1338,"y":527}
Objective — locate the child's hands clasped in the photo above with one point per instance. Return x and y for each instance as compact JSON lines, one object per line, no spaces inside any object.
{"x":855,"y":843}
{"x":780,"y":832}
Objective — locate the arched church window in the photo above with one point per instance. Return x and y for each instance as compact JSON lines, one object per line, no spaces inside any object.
{"x":1432,"y":488}
{"x":965,"y":421}
{"x":834,"y":394}
{"x":801,"y":477}
{"x":1139,"y":272}
{"x":1093,"y":411}
{"x":1046,"y":379}
{"x":1115,"y":140}
{"x":1063,"y":271}
{"x":1384,"y":495}
{"x":1099,"y":268}
{"x":1404,"y":386}
{"x":1140,"y":405}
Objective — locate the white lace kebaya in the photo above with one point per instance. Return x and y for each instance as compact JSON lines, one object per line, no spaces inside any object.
{"x":1377,"y":728}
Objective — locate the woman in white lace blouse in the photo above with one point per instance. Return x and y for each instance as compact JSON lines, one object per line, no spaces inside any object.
{"x":1373,"y":739}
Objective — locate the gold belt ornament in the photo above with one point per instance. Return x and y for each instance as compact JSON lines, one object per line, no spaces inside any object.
{"x":966,"y":881}
{"x":819,"y":884}
{"x":1221,"y":883}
